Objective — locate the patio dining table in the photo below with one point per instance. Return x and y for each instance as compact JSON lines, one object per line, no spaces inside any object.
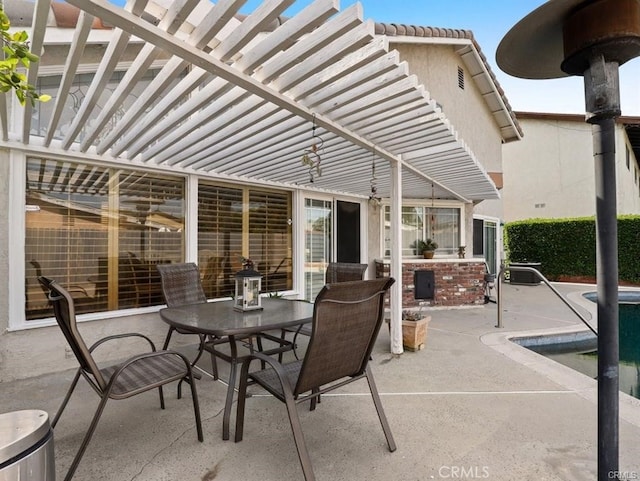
{"x":220,"y":319}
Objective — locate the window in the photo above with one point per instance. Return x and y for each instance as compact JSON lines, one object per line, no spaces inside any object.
{"x":441,"y":224}
{"x":100,"y":232}
{"x":81,"y":82}
{"x":236,"y":222}
{"x":270,"y":238}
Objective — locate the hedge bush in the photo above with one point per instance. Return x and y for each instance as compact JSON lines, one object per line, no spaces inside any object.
{"x":567,"y":247}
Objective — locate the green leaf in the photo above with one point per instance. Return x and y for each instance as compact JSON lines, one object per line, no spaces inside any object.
{"x":16,"y":49}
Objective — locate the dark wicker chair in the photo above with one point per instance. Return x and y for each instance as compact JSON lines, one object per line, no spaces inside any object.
{"x":182,"y":285}
{"x":336,"y":272}
{"x":346,"y":320}
{"x":344,"y":272}
{"x":150,"y":370}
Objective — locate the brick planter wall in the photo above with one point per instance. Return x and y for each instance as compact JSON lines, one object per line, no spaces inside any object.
{"x":458,"y":282}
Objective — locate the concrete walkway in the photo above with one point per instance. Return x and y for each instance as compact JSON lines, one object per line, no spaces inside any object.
{"x":472,"y":405}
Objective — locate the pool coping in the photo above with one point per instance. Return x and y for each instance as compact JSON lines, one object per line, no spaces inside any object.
{"x":582,"y":385}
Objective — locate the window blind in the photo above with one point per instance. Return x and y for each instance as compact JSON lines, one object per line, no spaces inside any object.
{"x":99,"y":232}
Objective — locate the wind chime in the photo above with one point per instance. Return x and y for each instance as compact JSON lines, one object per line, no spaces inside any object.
{"x":312,"y":156}
{"x":373,"y":196}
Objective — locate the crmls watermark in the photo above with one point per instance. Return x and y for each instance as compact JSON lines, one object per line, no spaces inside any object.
{"x":463,"y":472}
{"x":623,"y":475}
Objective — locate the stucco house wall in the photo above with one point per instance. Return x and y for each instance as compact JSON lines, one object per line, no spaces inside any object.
{"x":550,"y":173}
{"x":437,"y":68}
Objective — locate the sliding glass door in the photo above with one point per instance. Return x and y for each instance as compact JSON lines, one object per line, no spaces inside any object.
{"x":317,"y":244}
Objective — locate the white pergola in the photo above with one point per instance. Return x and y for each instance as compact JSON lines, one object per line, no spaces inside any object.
{"x":255,"y":86}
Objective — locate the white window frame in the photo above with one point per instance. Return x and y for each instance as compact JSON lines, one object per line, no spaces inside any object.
{"x":437,"y":203}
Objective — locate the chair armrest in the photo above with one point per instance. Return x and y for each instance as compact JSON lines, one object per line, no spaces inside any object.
{"x":120,"y":336}
{"x":274,"y":364}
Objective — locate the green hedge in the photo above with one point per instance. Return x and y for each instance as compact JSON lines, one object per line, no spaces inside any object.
{"x":567,"y":247}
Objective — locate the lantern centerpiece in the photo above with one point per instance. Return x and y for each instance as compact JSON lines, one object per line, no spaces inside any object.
{"x":248,"y":285}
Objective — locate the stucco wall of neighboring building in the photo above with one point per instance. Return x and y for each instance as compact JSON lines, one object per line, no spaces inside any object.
{"x":627,"y":175}
{"x":550,"y":172}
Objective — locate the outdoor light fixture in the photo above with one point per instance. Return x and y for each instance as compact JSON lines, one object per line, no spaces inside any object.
{"x":248,"y":285}
{"x":591,"y":38}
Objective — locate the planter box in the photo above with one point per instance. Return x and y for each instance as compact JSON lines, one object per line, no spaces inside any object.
{"x":414,"y":333}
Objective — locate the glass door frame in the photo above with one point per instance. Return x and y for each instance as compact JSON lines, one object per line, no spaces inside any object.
{"x":499,"y":249}
{"x":300,"y":237}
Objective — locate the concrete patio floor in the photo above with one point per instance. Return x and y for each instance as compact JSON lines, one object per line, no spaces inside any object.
{"x":471,"y":405}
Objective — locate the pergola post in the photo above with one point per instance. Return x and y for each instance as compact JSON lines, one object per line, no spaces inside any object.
{"x":396,"y":258}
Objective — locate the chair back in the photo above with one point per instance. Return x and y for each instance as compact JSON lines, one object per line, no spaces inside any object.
{"x":344,"y":272}
{"x":181,"y":284}
{"x":65,"y":314}
{"x":346,"y":320}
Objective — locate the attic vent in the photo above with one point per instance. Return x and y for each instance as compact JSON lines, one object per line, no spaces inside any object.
{"x":461,"y":78}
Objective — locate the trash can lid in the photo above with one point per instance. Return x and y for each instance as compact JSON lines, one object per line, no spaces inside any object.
{"x":19,"y":430}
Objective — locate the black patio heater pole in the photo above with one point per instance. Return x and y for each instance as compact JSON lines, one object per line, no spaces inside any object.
{"x":594,"y":37}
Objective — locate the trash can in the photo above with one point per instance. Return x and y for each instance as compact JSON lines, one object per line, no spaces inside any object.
{"x":524,"y":277}
{"x":26,"y":447}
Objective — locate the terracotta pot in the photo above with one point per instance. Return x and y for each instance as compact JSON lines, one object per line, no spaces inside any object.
{"x":428,"y":254}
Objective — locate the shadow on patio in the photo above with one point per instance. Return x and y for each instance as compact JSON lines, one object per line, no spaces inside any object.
{"x":470,"y":405}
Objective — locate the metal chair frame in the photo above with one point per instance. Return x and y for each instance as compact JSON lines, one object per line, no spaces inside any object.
{"x":115,"y":382}
{"x":328,"y":365}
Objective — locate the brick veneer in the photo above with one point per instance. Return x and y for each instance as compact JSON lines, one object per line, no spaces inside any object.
{"x":458,"y":282}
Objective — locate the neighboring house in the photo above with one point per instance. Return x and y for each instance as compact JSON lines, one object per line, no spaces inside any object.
{"x":550,"y":173}
{"x":184,"y":143}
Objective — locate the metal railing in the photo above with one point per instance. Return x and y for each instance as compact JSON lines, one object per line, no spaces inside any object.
{"x":500,"y":280}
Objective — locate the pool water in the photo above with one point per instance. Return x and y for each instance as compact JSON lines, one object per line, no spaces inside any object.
{"x":582,"y":355}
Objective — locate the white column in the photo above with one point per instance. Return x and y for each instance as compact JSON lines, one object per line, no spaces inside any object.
{"x":191,"y":220}
{"x":396,"y":258}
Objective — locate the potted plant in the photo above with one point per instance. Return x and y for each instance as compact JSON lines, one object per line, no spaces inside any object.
{"x":414,"y":329}
{"x":425,"y":247}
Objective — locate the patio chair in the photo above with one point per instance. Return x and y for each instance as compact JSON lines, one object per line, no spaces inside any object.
{"x":346,"y":320}
{"x":336,"y":272}
{"x":344,"y":272}
{"x":138,"y":374}
{"x":181,"y":285}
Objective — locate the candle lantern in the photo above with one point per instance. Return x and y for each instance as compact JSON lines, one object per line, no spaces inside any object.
{"x":248,"y":284}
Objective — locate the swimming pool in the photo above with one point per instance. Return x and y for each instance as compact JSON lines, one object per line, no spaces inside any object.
{"x":579,"y":350}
